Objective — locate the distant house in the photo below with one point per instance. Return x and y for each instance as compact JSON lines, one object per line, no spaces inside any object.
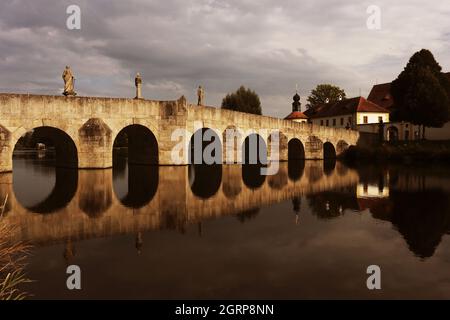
{"x":347,"y":113}
{"x":296,"y":115}
{"x":381,"y":95}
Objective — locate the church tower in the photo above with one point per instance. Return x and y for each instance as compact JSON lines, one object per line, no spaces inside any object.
{"x":296,"y":115}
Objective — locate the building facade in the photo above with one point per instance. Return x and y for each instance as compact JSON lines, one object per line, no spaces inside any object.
{"x":347,"y":113}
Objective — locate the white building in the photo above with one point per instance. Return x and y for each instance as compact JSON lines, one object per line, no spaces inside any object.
{"x":347,"y":113}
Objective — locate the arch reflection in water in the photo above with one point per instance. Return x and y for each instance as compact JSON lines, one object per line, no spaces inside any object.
{"x":296,"y":169}
{"x":329,"y":165}
{"x":205,"y":180}
{"x":48,"y":189}
{"x":329,"y":152}
{"x":135,"y":185}
{"x":252,"y":177}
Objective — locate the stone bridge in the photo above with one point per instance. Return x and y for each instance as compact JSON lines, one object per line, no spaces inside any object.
{"x":84,"y":203}
{"x":84,"y":129}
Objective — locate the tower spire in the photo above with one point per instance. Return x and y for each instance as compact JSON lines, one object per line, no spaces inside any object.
{"x":296,"y":105}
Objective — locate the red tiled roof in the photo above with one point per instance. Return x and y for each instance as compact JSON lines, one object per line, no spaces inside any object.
{"x":344,"y":107}
{"x":381,"y":94}
{"x":296,"y":115}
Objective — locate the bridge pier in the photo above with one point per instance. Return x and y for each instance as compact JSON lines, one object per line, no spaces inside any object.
{"x":5,"y":150}
{"x":95,"y":145}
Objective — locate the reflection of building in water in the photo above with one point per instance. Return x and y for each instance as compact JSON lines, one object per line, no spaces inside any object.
{"x":366,"y":190}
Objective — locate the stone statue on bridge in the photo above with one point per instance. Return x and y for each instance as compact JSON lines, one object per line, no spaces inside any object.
{"x":138,"y":84}
{"x":201,"y":96}
{"x":69,"y":82}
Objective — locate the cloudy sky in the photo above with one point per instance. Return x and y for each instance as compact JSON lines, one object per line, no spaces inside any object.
{"x":267,"y":45}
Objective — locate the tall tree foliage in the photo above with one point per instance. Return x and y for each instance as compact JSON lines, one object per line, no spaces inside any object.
{"x":244,"y":100}
{"x":322,"y":92}
{"x":421,"y":92}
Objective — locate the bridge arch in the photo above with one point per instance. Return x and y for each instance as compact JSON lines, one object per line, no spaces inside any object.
{"x":210,"y":146}
{"x":254,"y":150}
{"x":140,"y":143}
{"x":55,"y":140}
{"x":329,"y":152}
{"x":296,"y":150}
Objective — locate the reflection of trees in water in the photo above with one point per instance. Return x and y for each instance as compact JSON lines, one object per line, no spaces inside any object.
{"x":422,"y":217}
{"x":205,"y":179}
{"x":247,"y":215}
{"x":331,"y":204}
{"x":420,"y":214}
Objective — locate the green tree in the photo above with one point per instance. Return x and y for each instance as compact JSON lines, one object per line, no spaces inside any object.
{"x":421,"y":92}
{"x":322,"y":92}
{"x":244,"y":100}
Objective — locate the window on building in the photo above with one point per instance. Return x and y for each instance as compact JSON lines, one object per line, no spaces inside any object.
{"x":342,"y":121}
{"x":334,"y":122}
{"x":328,"y":123}
{"x":365,"y":119}
{"x":321,"y":122}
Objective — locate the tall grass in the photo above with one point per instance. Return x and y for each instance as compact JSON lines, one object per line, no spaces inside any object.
{"x":12,"y":264}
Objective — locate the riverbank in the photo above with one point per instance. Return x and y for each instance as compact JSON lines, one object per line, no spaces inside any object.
{"x":401,"y":152}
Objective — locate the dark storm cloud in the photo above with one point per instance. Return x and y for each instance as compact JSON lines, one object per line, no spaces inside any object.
{"x":267,"y":45}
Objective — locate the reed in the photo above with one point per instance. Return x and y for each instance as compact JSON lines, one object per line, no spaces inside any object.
{"x":12,"y":265}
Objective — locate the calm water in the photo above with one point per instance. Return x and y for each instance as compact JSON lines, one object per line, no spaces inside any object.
{"x":226,"y":232}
